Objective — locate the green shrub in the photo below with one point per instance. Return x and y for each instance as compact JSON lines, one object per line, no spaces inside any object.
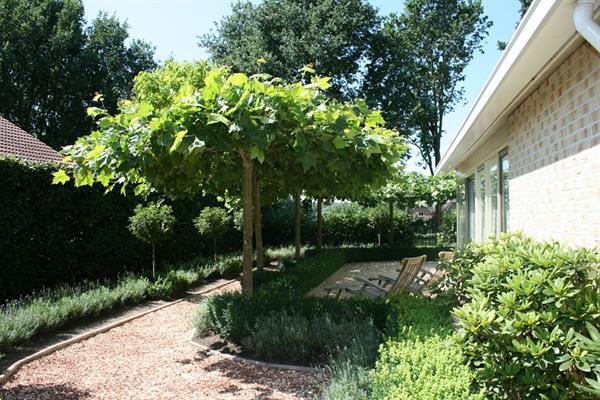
{"x":349,"y":371}
{"x":530,"y":308}
{"x":172,"y":283}
{"x":420,"y":360}
{"x":234,"y":316}
{"x":301,"y":339}
{"x":213,"y":222}
{"x":55,"y":235}
{"x":422,"y":368}
{"x":51,"y":309}
{"x":347,"y":381}
{"x":48,"y":310}
{"x":352,"y":223}
{"x":152,"y":224}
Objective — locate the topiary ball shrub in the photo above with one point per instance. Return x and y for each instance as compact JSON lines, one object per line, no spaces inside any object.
{"x":530,"y":317}
{"x":152,"y":224}
{"x":213,"y":222}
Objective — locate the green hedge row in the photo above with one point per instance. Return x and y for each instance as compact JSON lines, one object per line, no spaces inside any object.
{"x":51,"y":235}
{"x":419,"y":359}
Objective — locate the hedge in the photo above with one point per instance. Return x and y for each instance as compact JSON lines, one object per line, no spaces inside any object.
{"x":419,"y":359}
{"x":51,"y":235}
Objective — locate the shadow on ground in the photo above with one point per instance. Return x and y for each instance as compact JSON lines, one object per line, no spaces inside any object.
{"x":43,"y":392}
{"x":266,"y":380}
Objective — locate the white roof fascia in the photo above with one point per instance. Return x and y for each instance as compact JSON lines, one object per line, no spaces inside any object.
{"x":534,"y":21}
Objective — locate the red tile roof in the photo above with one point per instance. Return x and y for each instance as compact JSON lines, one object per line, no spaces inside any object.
{"x":15,"y":142}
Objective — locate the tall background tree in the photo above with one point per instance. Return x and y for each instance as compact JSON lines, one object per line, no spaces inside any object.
{"x":524,"y":6}
{"x":51,"y":65}
{"x":417,"y":64}
{"x":332,"y":35}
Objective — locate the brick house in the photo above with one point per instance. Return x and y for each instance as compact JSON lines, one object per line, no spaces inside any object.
{"x":15,"y":142}
{"x":527,"y":156}
{"x":422,"y":213}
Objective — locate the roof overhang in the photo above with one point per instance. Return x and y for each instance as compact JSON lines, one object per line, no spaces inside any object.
{"x":542,"y":38}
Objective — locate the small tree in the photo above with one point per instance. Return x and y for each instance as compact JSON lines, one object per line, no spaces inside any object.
{"x":152,"y":224}
{"x":214,"y":222}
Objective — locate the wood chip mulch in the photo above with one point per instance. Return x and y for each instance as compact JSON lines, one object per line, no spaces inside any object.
{"x":152,"y":358}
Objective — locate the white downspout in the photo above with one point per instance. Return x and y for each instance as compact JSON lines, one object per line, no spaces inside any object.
{"x":583,"y":19}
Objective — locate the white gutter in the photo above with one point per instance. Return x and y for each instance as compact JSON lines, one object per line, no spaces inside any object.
{"x":583,"y":19}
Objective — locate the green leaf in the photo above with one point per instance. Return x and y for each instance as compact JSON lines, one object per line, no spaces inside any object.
{"x":95,"y":153}
{"x":257,"y":153}
{"x":566,"y":365}
{"x":61,"y":177}
{"x":214,"y":118}
{"x":95,"y":111}
{"x":238,"y":79}
{"x":374,"y":119}
{"x":178,"y":139}
{"x":339,"y":143}
{"x":307,"y":69}
{"x":104,"y":177}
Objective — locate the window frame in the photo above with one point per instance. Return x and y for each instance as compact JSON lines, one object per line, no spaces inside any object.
{"x":503,"y":154}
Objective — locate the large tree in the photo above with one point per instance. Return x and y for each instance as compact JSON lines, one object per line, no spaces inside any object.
{"x":417,"y":65}
{"x":333,"y":35}
{"x":51,"y":65}
{"x":182,"y":134}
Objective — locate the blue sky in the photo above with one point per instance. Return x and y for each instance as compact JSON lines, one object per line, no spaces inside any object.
{"x":173,"y":26}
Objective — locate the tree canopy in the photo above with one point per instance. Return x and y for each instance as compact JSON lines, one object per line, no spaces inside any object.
{"x":182,"y":134}
{"x":417,"y":64}
{"x":51,"y":65}
{"x":332,"y":35}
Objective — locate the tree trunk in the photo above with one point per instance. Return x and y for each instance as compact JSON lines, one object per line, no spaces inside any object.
{"x":215,"y":246}
{"x":319,"y":223}
{"x":258,"y":224}
{"x":438,"y":217}
{"x":247,"y":225}
{"x":153,"y":261}
{"x":297,"y":239}
{"x":391,"y":227}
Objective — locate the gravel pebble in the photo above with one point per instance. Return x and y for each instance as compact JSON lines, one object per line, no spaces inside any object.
{"x":152,"y":358}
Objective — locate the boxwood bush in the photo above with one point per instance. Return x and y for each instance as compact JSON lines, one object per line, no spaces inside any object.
{"x":420,"y":360}
{"x":530,"y":317}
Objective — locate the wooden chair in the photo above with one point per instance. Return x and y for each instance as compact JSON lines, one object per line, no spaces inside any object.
{"x":407,"y":275}
{"x":430,"y":280}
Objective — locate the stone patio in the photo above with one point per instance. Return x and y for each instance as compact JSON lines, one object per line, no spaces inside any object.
{"x":346,"y":276}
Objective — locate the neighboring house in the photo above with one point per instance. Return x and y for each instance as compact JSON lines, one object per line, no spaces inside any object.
{"x":422,"y":213}
{"x":527,"y":156}
{"x":15,"y":142}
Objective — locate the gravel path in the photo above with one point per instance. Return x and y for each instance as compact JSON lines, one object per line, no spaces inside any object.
{"x":152,"y":358}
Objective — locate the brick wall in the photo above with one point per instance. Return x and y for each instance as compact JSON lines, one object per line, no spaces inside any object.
{"x":554,"y":154}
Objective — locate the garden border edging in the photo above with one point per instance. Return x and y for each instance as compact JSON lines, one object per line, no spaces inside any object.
{"x":15,"y":367}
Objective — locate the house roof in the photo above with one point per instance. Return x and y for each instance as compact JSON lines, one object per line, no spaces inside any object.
{"x":15,"y":142}
{"x":542,"y":39}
